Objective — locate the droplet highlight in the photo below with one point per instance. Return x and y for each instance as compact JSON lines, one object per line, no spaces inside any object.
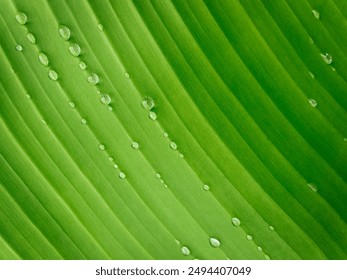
{"x":93,"y":79}
{"x":75,"y":49}
{"x":236,"y":222}
{"x":185,"y":250}
{"x":100,"y":27}
{"x":43,"y":59}
{"x":105,"y":99}
{"x":21,"y":18}
{"x":147,"y":103}
{"x":214,"y":242}
{"x":64,"y":32}
{"x":83,"y":121}
{"x":126,"y":74}
{"x":53,"y":75}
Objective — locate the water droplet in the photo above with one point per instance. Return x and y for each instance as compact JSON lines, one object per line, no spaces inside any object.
{"x":249,"y":237}
{"x":173,"y":145}
{"x":158,"y":176}
{"x":31,"y":38}
{"x":19,"y":48}
{"x":82,"y":65}
{"x":162,"y":181}
{"x":135,"y":145}
{"x":166,"y":135}
{"x":313,"y":187}
{"x":75,"y":49}
{"x":110,"y":159}
{"x":177,"y":242}
{"x":311,"y":41}
{"x":105,"y":99}
{"x":102,"y":147}
{"x":72,"y":105}
{"x":43,"y":59}
{"x":260,"y":249}
{"x":267,"y":257}
{"x":115,"y":166}
{"x":28,"y":96}
{"x":93,"y":79}
{"x":126,"y":74}
{"x":147,"y":103}
{"x":311,"y":75}
{"x":316,"y":14}
{"x":21,"y":18}
{"x":122,"y":175}
{"x":206,"y":187}
{"x":333,"y":69}
{"x":83,"y":121}
{"x":109,"y":108}
{"x":271,"y":228}
{"x":313,"y":103}
{"x":100,"y":27}
{"x":328,"y":59}
{"x":165,"y":186}
{"x":185,"y":251}
{"x":181,"y":155}
{"x":235,"y":221}
{"x":214,"y":242}
{"x":53,"y":75}
{"x":152,"y":116}
{"x":44,"y":122}
{"x":64,"y":32}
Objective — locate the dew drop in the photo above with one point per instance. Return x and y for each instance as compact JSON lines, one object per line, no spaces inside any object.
{"x":173,"y":145}
{"x":313,"y":102}
{"x":53,"y":75}
{"x":19,"y":48}
{"x":44,"y":122}
{"x":72,"y":104}
{"x":31,"y":38}
{"x":21,"y":18}
{"x":147,"y":103}
{"x":165,"y":186}
{"x":43,"y":59}
{"x":260,"y":249}
{"x":249,"y":237}
{"x":109,"y":108}
{"x":93,"y":79}
{"x":28,"y":96}
{"x":158,"y":176}
{"x":64,"y":32}
{"x":206,"y":188}
{"x":311,"y":75}
{"x":311,"y":40}
{"x":166,"y":135}
{"x":271,"y":228}
{"x":122,"y":175}
{"x":214,"y":242}
{"x":135,"y":145}
{"x":333,"y":69}
{"x":152,"y":116}
{"x":267,"y":257}
{"x":105,"y":99}
{"x":82,"y":65}
{"x":115,"y":166}
{"x":126,"y":74}
{"x":110,"y":159}
{"x":235,"y":221}
{"x":102,"y":147}
{"x":312,"y":187}
{"x":162,"y":181}
{"x":83,"y":121}
{"x":100,"y":27}
{"x":316,"y":14}
{"x":177,"y":242}
{"x":181,"y":155}
{"x":75,"y":49}
{"x":185,"y":250}
{"x":328,"y":59}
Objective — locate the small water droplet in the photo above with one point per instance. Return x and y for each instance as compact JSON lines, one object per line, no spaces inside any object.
{"x":235,"y":221}
{"x":271,"y":228}
{"x":147,"y":103}
{"x":64,"y":32}
{"x":260,"y":249}
{"x":115,"y":166}
{"x":105,"y":99}
{"x":43,"y":59}
{"x":102,"y":147}
{"x":100,"y":27}
{"x":345,"y":139}
{"x":249,"y":237}
{"x":126,"y":74}
{"x":313,"y":187}
{"x":110,"y":159}
{"x":311,"y":75}
{"x":185,"y":251}
{"x":206,"y":188}
{"x":44,"y":122}
{"x":267,"y":257}
{"x":158,"y":176}
{"x":177,"y":242}
{"x":313,"y":102}
{"x":93,"y":79}
{"x":316,"y":14}
{"x":165,"y":186}
{"x":166,"y":135}
{"x":28,"y":96}
{"x":31,"y":38}
{"x":83,"y":121}
{"x":72,"y":104}
{"x":82,"y":65}
{"x":173,"y":145}
{"x":135,"y":145}
{"x":19,"y":48}
{"x":75,"y":49}
{"x":21,"y":18}
{"x":109,"y":108}
{"x":328,"y":59}
{"x":122,"y":175}
{"x":162,"y":181}
{"x":311,"y":40}
{"x":53,"y":75}
{"x":214,"y":242}
{"x":181,"y":155}
{"x":152,"y":115}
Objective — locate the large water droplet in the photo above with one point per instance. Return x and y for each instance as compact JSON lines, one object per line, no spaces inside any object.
{"x":122,"y":175}
{"x":43,"y":59}
{"x":100,"y":27}
{"x":236,"y":222}
{"x":31,"y":38}
{"x":19,"y":48}
{"x":316,"y":14}
{"x":173,"y":145}
{"x":206,"y":187}
{"x":328,"y":59}
{"x":152,"y":115}
{"x":64,"y":32}
{"x":185,"y":250}
{"x":83,"y":121}
{"x":249,"y":237}
{"x":105,"y":99}
{"x":214,"y":242}
{"x":135,"y":145}
{"x":21,"y":18}
{"x":53,"y":75}
{"x":72,"y":104}
{"x":102,"y":147}
{"x":312,"y":187}
{"x":75,"y":49}
{"x":313,"y":102}
{"x":93,"y":78}
{"x":147,"y":103}
{"x":82,"y":65}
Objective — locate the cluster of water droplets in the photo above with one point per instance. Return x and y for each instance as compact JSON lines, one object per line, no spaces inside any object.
{"x":147,"y":103}
{"x":158,"y":176}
